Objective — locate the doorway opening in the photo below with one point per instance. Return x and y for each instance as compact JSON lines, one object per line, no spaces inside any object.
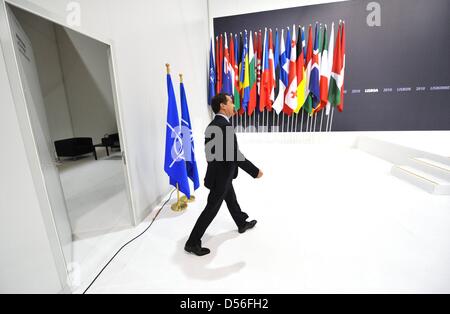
{"x":68,"y":84}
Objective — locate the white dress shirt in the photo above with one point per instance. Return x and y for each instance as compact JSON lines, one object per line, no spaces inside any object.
{"x":222,"y":115}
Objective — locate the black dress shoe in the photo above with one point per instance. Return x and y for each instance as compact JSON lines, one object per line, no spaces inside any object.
{"x":197,"y":250}
{"x":247,"y":226}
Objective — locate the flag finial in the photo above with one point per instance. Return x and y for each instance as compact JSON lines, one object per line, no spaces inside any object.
{"x":168,"y":68}
{"x":181,"y":78}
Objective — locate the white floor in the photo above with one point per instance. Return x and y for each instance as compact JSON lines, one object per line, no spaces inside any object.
{"x":98,"y":209}
{"x":330,"y":220}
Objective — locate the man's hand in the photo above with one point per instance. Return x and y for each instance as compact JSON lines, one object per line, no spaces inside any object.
{"x":260,"y":174}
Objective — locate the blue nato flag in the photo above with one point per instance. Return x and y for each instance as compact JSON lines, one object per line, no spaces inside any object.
{"x":175,"y":161}
{"x":212,"y":75}
{"x":191,"y":162}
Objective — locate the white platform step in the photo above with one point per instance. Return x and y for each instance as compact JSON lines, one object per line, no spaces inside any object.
{"x":395,"y":153}
{"x":422,"y":179}
{"x":435,"y":163}
{"x":433,"y":167}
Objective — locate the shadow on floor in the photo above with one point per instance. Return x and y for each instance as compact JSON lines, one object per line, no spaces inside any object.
{"x":196,"y":267}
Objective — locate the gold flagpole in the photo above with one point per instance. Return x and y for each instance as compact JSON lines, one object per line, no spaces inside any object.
{"x":184,"y":199}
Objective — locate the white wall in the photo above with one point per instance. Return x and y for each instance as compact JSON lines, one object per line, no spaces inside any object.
{"x":45,"y":47}
{"x":85,"y":68}
{"x":26,"y":264}
{"x":173,"y":31}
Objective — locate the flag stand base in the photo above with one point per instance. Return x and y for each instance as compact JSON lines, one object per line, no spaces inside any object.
{"x":184,"y":199}
{"x":179,"y":206}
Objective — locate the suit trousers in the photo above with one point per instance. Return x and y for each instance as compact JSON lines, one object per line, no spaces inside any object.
{"x":215,"y":200}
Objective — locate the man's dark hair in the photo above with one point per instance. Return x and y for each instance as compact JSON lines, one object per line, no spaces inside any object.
{"x":220,"y":98}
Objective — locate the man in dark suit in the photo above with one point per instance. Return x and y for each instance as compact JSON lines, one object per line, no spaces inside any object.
{"x":224,"y":160}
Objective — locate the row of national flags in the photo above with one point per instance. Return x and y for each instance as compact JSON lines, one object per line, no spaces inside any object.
{"x":283,"y":71}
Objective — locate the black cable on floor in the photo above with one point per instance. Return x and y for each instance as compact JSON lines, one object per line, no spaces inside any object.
{"x":115,"y":255}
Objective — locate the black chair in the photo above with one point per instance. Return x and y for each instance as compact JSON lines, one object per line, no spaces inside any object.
{"x":74,"y":147}
{"x":111,"y":140}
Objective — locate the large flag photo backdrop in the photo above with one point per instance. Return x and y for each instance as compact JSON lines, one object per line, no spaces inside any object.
{"x":385,"y":69}
{"x":303,"y":85}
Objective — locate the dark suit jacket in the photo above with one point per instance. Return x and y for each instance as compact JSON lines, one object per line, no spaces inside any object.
{"x":221,"y":171}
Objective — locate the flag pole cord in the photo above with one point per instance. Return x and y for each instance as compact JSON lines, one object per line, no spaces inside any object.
{"x":261,"y":122}
{"x":278,"y":122}
{"x":328,"y":119}
{"x":309,"y":123}
{"x":321,"y":122}
{"x":315,"y":122}
{"x":247,"y":122}
{"x":288,"y":127}
{"x":264,"y":119}
{"x":257,"y":121}
{"x":273,"y":121}
{"x":252,"y":121}
{"x":301,"y":122}
{"x":238,"y":121}
{"x":293,"y":122}
{"x":332,"y":117}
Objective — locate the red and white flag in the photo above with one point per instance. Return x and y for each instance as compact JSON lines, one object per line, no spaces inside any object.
{"x":290,"y":100}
